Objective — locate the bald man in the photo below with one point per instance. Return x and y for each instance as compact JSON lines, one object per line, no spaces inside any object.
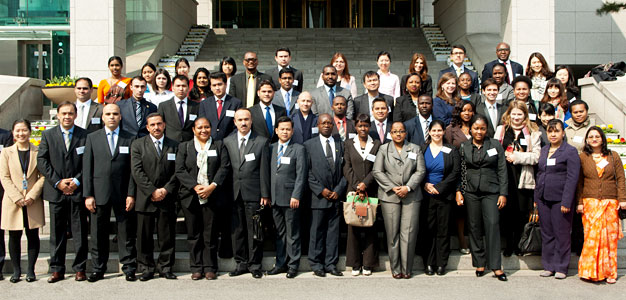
{"x":304,"y":121}
{"x":503,"y":51}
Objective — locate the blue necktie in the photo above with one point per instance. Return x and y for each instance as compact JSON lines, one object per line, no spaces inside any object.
{"x":287,"y":101}
{"x":268,"y":121}
{"x":331,"y":96}
{"x":280,"y":154}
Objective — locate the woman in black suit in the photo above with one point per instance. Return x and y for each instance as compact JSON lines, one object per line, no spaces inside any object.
{"x":406,"y":105}
{"x":201,"y":168}
{"x":483,"y":188}
{"x":360,"y":153}
{"x":442,"y":171}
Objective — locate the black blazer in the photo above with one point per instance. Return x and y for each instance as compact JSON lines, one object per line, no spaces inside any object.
{"x":320,"y":175}
{"x":475,"y":88}
{"x":405,"y":109}
{"x":486,"y":174}
{"x":94,"y":113}
{"x":451,"y":173}
{"x":251,"y":178}
{"x":482,"y":109}
{"x":258,"y":121}
{"x":362,"y":105}
{"x":239,"y":82}
{"x":224,"y":126}
{"x":303,"y":129}
{"x":129,"y":122}
{"x":517,"y":69}
{"x":297,"y":76}
{"x":374,"y":131}
{"x":426,"y":88}
{"x":152,"y":171}
{"x":187,"y":172}
{"x":414,"y":131}
{"x":357,"y":170}
{"x":173,"y":129}
{"x":56,"y":162}
{"x":108,"y":177}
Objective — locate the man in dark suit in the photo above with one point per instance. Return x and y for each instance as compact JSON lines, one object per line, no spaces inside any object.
{"x":417,"y":128}
{"x":179,"y":113}
{"x":249,"y":156}
{"x":288,"y":182}
{"x":327,"y":184}
{"x":135,"y":109}
{"x":364,"y":104}
{"x":108,"y":184}
{"x":220,"y":108}
{"x":343,"y":127}
{"x":244,"y":85}
{"x":323,"y":95}
{"x":490,"y":108}
{"x":264,"y":113}
{"x":60,"y":160}
{"x":283,"y":59}
{"x":88,"y":112}
{"x":153,"y":159}
{"x":286,"y":95}
{"x":6,"y":140}
{"x":304,"y":121}
{"x":381,"y":126}
{"x":457,"y":55}
{"x":503,"y":51}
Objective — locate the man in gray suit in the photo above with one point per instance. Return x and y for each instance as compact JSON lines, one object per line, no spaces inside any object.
{"x":363,"y":103}
{"x":88,"y":112}
{"x":283,"y":59}
{"x":286,"y":95}
{"x":323,"y":95}
{"x":288,"y":181}
{"x":327,"y":184}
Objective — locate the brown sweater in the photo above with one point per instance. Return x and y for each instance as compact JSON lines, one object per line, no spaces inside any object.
{"x":612,"y":184}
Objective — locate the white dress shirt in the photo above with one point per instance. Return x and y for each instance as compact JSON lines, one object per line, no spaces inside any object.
{"x":239,"y":136}
{"x":184,"y":104}
{"x":154,"y":140}
{"x":115,"y":136}
{"x":509,"y":68}
{"x":423,"y":123}
{"x":82,"y":112}
{"x":332,"y":144}
{"x":264,"y":111}
{"x":492,"y":110}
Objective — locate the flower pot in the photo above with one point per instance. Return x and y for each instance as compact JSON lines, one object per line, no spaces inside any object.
{"x":58,"y":94}
{"x":619,"y":148}
{"x":613,"y":136}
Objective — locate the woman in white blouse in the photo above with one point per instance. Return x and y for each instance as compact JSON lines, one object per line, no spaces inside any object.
{"x":389,"y":82}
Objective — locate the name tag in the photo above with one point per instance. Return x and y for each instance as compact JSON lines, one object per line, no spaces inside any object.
{"x":532,"y":117}
{"x":371,"y":157}
{"x":296,"y":106}
{"x":551,"y":162}
{"x":230,"y":113}
{"x":123,"y":149}
{"x":95,"y":121}
{"x":572,"y":100}
{"x":80,"y":150}
{"x":212,"y":153}
{"x":412,"y":156}
{"x":492,"y":152}
{"x":171,"y":156}
{"x":603,"y":163}
{"x":192,"y":117}
{"x":389,"y":135}
{"x":578,"y":139}
{"x":499,"y":97}
{"x":295,"y":83}
{"x":445,"y":149}
{"x":523,"y":142}
{"x":1,"y":147}
{"x":285,"y":160}
{"x":351,"y":135}
{"x":122,"y":84}
{"x":314,"y":130}
{"x":249,"y":157}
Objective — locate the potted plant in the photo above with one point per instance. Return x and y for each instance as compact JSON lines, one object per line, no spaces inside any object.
{"x":610,"y":132}
{"x":59,"y":89}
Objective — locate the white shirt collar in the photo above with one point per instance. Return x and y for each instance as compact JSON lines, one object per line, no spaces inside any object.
{"x":327,"y":88}
{"x":80,"y":104}
{"x":154,"y":139}
{"x":176,"y":100}
{"x":283,"y":144}
{"x":377,"y":123}
{"x":107,"y":130}
{"x":263,"y":106}
{"x":430,"y":118}
{"x":368,"y":146}
{"x":330,"y":138}
{"x":239,"y":136}
{"x":462,"y":67}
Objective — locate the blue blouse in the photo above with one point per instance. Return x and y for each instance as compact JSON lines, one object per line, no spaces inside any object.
{"x":434,"y":166}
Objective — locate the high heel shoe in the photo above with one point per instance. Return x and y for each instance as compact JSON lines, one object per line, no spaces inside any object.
{"x":480,"y":273}
{"x":501,"y":277}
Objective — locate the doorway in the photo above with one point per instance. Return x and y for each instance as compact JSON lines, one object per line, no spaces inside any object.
{"x":35,"y":59}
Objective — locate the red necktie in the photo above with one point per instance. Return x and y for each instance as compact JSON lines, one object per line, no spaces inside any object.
{"x":219,"y":108}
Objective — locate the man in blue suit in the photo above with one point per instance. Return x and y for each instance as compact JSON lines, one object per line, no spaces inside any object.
{"x":457,"y":55}
{"x":503,"y":51}
{"x":417,"y":128}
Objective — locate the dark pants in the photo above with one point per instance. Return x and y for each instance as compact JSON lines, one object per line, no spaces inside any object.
{"x":515,"y":215}
{"x":63,"y":214}
{"x":556,"y":230}
{"x":3,"y":252}
{"x":126,"y":237}
{"x":483,"y":218}
{"x":248,"y":252}
{"x":578,"y":234}
{"x":202,"y":236}
{"x":438,"y":236}
{"x":287,"y":221}
{"x":15,"y":246}
{"x":223,"y":215}
{"x":166,"y":234}
{"x":324,"y":238}
{"x":362,"y":247}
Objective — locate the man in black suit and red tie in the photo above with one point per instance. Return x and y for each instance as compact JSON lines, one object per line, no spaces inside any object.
{"x":220,"y":108}
{"x":179,"y":113}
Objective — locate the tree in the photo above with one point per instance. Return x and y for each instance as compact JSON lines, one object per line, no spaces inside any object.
{"x":610,"y":7}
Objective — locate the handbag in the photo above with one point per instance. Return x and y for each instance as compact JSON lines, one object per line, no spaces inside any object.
{"x":463,"y":171}
{"x":257,"y":225}
{"x":531,"y":236}
{"x":360,"y":211}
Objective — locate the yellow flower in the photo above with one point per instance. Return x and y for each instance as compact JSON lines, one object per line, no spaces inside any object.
{"x":609,"y":140}
{"x":603,"y":126}
{"x":610,"y":126}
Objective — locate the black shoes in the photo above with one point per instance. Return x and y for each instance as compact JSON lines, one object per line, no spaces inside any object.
{"x":319,"y":273}
{"x":507,"y":252}
{"x":31,"y":278}
{"x":167,"y":275}
{"x":441,"y":271}
{"x":480,"y":273}
{"x":276,"y":270}
{"x":146,"y":276}
{"x":429,"y":270}
{"x":501,"y":277}
{"x":95,"y":277}
{"x":291,"y":273}
{"x":237,"y":273}
{"x":335,"y":272}
{"x":257,"y":274}
{"x":15,"y":278}
{"x":131,"y":277}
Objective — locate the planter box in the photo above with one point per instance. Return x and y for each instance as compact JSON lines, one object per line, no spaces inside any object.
{"x":613,"y":136}
{"x":621,"y":149}
{"x":58,"y":94}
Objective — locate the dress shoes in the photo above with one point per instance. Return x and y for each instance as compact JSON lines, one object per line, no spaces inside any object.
{"x":507,"y":253}
{"x":15,"y":279}
{"x":56,"y":276}
{"x":335,"y":272}
{"x":441,"y":271}
{"x":80,"y":276}
{"x":196,"y":276}
{"x":146,"y":276}
{"x":31,"y":278}
{"x":95,"y":277}
{"x":291,"y":273}
{"x":407,"y":276}
{"x":210,"y":275}
{"x":501,"y":277}
{"x":480,"y":273}
{"x":237,"y":273}
{"x":130,"y":276}
{"x":319,"y":273}
{"x":167,"y":275}
{"x":429,"y":270}
{"x":397,"y":276}
{"x":276,"y":270}
{"x":257,"y":274}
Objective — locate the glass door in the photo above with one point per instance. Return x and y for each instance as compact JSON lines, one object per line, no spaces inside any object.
{"x":240,"y":14}
{"x":35,"y":62}
{"x":317,"y":12}
{"x":387,"y":13}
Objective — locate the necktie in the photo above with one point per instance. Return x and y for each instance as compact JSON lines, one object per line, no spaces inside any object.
{"x":493,"y":115}
{"x":329,"y":156}
{"x":157,"y":144}
{"x":506,"y":69}
{"x":426,"y":123}
{"x":66,"y":138}
{"x":268,"y":121}
{"x":219,"y":108}
{"x":138,"y":115}
{"x":342,"y":131}
{"x":280,"y":154}
{"x":287,"y":101}
{"x":459,"y":71}
{"x":242,"y":149}
{"x":81,"y":115}
{"x":331,"y":96}
{"x":112,"y":142}
{"x":251,"y":91}
{"x":181,"y":114}
{"x":381,"y":132}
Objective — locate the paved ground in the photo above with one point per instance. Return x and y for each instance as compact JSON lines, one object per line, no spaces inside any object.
{"x":454,"y":285}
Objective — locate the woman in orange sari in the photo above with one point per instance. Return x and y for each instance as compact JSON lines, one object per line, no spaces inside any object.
{"x":115,"y":67}
{"x":601,"y":192}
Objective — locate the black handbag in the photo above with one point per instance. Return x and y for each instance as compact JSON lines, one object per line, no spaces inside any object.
{"x":531,"y":237}
{"x":257,"y":225}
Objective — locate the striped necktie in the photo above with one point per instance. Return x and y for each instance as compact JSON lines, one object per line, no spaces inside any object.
{"x":138,"y":115}
{"x":280,"y":155}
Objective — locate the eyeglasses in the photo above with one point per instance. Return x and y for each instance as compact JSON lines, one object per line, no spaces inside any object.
{"x":398,"y":131}
{"x":250,"y":60}
{"x":503,"y":50}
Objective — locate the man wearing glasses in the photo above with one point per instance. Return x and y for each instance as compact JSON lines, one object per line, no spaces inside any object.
{"x":503,"y":51}
{"x":457,"y":56}
{"x":244,"y":85}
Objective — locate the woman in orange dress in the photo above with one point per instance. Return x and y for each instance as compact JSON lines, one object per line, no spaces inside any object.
{"x":601,"y":192}
{"x":115,"y":67}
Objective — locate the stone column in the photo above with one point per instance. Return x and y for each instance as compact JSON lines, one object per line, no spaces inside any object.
{"x":530,"y":26}
{"x":205,"y":12}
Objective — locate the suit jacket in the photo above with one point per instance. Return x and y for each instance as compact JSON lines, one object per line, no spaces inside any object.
{"x":129,"y":122}
{"x":442,"y":110}
{"x":152,"y":171}
{"x":405,"y":109}
{"x":258,"y":121}
{"x":426,"y":88}
{"x":251,"y":177}
{"x":374,"y":131}
{"x":94,"y":114}
{"x":173,"y":129}
{"x":451,"y":173}
{"x":557,"y":182}
{"x":517,"y":69}
{"x":187,"y":172}
{"x":393,"y":169}
{"x":487,"y":174}
{"x":362,"y":105}
{"x":482,"y":109}
{"x":108,"y":177}
{"x":454,"y":136}
{"x":303,"y":129}
{"x":56,"y":162}
{"x":320,"y":175}
{"x":288,"y":180}
{"x":239,"y":83}
{"x":321,"y":104}
{"x":357,"y":170}
{"x":298,"y":82}
{"x":223,"y":126}
{"x":349,"y":128}
{"x":414,"y":132}
{"x":279,"y":101}
{"x":475,"y":88}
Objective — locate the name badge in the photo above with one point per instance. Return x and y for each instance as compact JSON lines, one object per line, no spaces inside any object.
{"x":351,"y":135}
{"x":296,"y":106}
{"x":124,"y":149}
{"x":95,"y":121}
{"x":412,"y":155}
{"x":285,"y":160}
{"x":499,"y":97}
{"x":532,"y":117}
{"x":171,"y":156}
{"x":578,"y":139}
{"x":295,"y":83}
{"x":24,"y":184}
{"x":551,"y":162}
{"x":314,"y":130}
{"x":492,"y":152}
{"x":371,"y":157}
{"x":1,"y":147}
{"x":523,"y":142}
{"x":80,"y":150}
{"x":212,"y":153}
{"x":389,"y":135}
{"x":230,"y":113}
{"x":121,"y":84}
{"x":603,"y":163}
{"x":249,"y":157}
{"x":192,"y":117}
{"x":572,"y":100}
{"x":445,"y":150}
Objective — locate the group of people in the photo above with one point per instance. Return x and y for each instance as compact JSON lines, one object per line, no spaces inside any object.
{"x":224,"y":147}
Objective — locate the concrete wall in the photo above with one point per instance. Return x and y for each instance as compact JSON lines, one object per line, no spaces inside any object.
{"x":178,"y":16}
{"x":205,"y":12}
{"x":20,"y":97}
{"x":8,"y":60}
{"x":532,"y":30}
{"x":427,"y":12}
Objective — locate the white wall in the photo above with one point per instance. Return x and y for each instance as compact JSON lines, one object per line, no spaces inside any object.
{"x":427,"y":12}
{"x":8,"y":60}
{"x":178,"y":16}
{"x":205,"y":12}
{"x":532,"y":30}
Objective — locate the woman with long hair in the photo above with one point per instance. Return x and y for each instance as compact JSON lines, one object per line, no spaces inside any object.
{"x":539,"y":72}
{"x":162,"y":87}
{"x":148,"y":71}
{"x":114,"y":88}
{"x":420,"y":66}
{"x":557,"y":96}
{"x":565,"y":75}
{"x":446,"y":98}
{"x":201,"y":89}
{"x":182,"y":67}
{"x":389,"y":82}
{"x":344,"y":78}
